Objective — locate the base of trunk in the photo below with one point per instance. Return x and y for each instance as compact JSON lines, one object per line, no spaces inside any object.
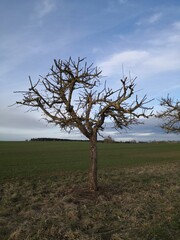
{"x":93,"y":186}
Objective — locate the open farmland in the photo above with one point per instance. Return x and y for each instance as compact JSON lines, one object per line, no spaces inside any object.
{"x":43,"y":191}
{"x":23,"y":159}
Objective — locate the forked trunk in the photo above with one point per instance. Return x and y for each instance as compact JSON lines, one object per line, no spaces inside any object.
{"x":93,"y":186}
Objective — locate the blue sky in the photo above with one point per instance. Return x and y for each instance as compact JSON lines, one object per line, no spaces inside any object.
{"x":142,"y":36}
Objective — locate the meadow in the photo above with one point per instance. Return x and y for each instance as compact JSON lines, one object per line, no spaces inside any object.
{"x":23,"y":159}
{"x":44,"y":195}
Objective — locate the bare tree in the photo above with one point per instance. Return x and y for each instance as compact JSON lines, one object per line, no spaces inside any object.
{"x":71,"y":96}
{"x":170,"y":114}
{"x":108,"y":139}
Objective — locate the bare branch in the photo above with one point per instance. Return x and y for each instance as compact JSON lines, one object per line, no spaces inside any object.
{"x":69,"y":96}
{"x":170,"y":114}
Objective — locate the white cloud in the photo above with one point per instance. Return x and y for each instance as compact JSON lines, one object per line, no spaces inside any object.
{"x":163,"y":61}
{"x":149,"y":131}
{"x":157,"y":54}
{"x":143,"y":134}
{"x":20,"y":48}
{"x":141,"y":62}
{"x":113,"y":5}
{"x":13,"y":117}
{"x":44,"y":7}
{"x":174,"y":39}
{"x":175,"y":87}
{"x":176,"y":25}
{"x":149,"y":20}
{"x":122,"y":1}
{"x":154,"y":18}
{"x":129,"y":59}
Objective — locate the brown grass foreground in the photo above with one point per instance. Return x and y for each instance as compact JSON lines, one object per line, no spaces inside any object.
{"x":140,"y":203}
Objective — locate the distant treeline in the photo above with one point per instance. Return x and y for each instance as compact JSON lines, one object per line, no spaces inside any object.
{"x":104,"y":141}
{"x":75,"y":140}
{"x":55,"y":139}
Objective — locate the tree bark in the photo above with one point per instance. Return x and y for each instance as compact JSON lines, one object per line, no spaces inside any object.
{"x":93,"y":184}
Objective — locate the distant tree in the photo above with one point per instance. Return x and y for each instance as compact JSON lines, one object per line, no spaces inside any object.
{"x":170,"y":114}
{"x":108,"y":139}
{"x":71,"y":96}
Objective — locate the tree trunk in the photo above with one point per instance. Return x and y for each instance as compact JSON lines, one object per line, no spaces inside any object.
{"x":93,"y":163}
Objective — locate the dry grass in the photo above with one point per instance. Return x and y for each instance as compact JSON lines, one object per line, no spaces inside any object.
{"x":139,"y":203}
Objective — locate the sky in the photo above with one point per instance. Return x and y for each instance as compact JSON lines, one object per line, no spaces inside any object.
{"x":140,"y":38}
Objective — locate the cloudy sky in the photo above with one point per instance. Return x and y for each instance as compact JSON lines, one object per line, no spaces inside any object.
{"x":142,"y":36}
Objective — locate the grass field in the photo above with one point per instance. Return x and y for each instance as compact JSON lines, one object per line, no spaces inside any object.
{"x":43,"y":191}
{"x":33,"y":158}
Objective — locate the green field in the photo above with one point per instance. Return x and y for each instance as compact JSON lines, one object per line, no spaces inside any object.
{"x":44,"y":194}
{"x":32,"y":158}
